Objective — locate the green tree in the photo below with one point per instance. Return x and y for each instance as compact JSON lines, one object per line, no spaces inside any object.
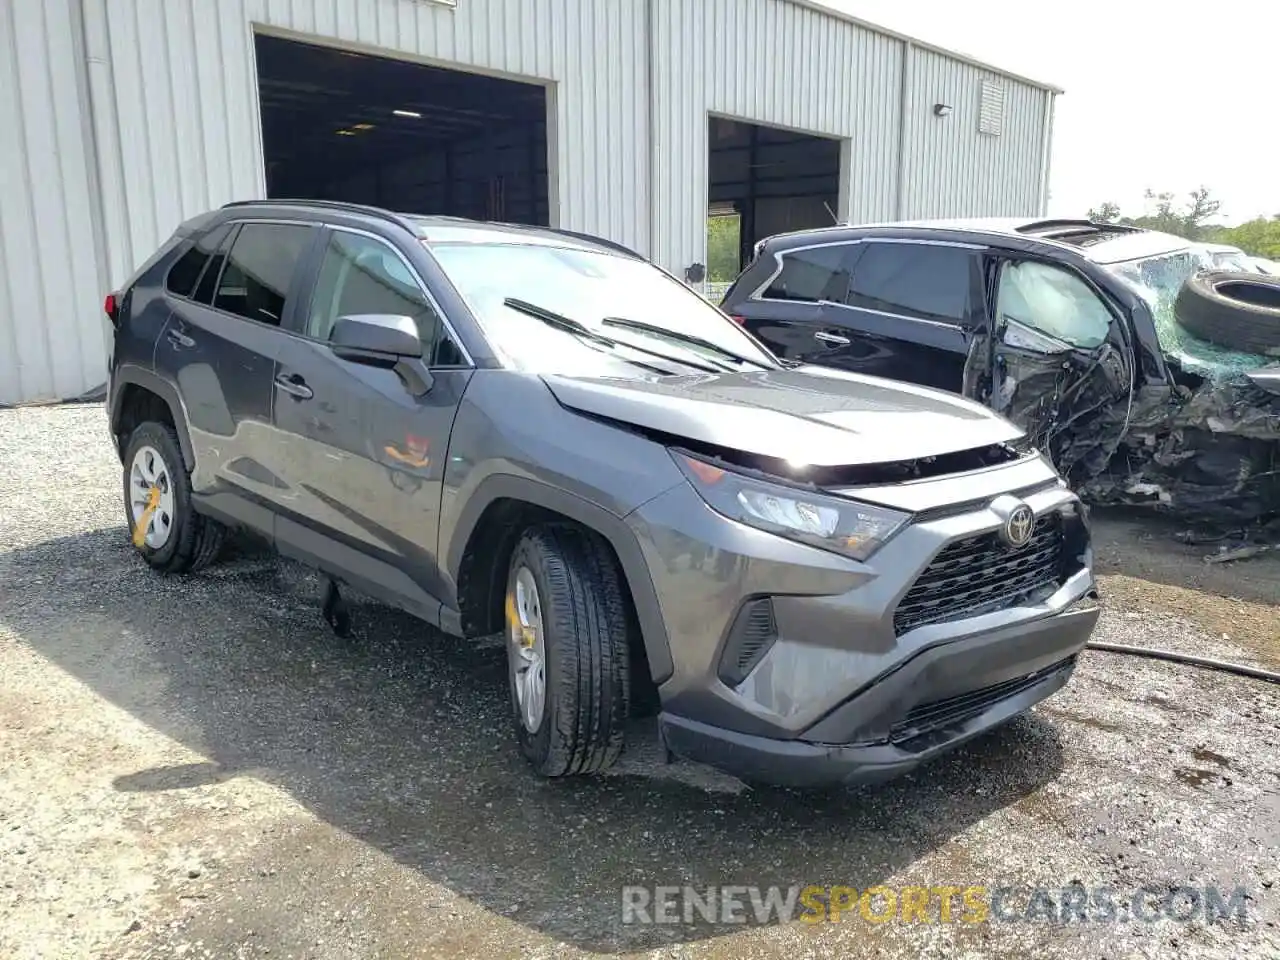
{"x":1259,"y":237}
{"x":723,"y":233}
{"x":1105,"y":213}
{"x":1200,"y":211}
{"x":1190,"y":220}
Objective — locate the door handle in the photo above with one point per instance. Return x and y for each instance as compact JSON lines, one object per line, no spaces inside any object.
{"x":831,"y":338}
{"x":179,"y":339}
{"x":294,"y":385}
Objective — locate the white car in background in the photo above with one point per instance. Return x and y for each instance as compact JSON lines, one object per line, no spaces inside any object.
{"x":1225,"y":257}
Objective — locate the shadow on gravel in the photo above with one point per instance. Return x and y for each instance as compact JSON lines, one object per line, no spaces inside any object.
{"x":400,"y":737}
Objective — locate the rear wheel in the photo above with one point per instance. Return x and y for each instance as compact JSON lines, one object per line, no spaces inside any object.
{"x":568,"y":632}
{"x":164,"y":528}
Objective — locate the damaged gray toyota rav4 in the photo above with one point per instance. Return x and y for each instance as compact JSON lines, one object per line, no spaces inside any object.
{"x":811,"y":576}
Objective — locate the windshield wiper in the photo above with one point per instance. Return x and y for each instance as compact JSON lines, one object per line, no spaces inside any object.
{"x":569,"y":325}
{"x":558,"y":320}
{"x":622,"y":323}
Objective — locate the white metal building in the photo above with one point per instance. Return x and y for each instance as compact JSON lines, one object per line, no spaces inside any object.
{"x":628,"y":119}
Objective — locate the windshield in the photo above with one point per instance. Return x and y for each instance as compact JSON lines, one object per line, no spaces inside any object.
{"x":1158,"y":280}
{"x":589,"y":288}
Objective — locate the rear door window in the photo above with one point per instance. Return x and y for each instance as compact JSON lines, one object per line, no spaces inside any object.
{"x":812,"y":275}
{"x":259,"y":270}
{"x":184,"y":274}
{"x":927,"y":281}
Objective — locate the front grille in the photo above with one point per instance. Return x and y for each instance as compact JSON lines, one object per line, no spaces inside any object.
{"x":928,"y":717}
{"x":981,"y":574}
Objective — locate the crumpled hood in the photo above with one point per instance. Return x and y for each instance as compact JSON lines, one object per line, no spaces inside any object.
{"x":810,"y":415}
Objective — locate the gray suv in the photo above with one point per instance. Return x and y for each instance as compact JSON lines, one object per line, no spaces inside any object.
{"x":810,"y":575}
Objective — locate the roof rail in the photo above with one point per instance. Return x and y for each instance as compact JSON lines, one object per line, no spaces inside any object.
{"x":576,"y":235}
{"x":330,"y":205}
{"x":599,"y":241}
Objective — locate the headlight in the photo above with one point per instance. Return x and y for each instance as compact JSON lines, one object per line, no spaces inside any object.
{"x":854,"y":529}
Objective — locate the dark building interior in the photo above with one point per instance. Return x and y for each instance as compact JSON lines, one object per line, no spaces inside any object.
{"x":415,"y":138}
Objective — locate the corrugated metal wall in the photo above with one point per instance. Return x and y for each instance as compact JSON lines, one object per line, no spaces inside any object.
{"x":52,"y":331}
{"x":179,"y":125}
{"x":771,"y":62}
{"x":786,"y":64}
{"x":157,"y":118}
{"x":953,"y":170}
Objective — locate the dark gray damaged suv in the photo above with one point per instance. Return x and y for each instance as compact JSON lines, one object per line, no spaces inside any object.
{"x":811,"y":575}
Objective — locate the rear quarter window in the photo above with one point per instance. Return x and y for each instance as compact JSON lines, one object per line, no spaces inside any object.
{"x":182,"y":276}
{"x":812,"y":274}
{"x":185,"y":273}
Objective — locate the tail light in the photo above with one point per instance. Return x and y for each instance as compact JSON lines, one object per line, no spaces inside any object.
{"x":111,"y":307}
{"x":740,"y":321}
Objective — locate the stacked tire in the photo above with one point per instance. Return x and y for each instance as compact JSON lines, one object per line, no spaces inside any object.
{"x":1239,"y":311}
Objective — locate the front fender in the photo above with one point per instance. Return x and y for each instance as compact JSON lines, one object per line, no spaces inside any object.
{"x":612,"y":527}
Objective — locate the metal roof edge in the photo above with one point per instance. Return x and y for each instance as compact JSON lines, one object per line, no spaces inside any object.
{"x":819,"y":7}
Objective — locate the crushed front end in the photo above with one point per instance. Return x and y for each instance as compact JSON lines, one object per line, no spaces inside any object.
{"x":1151,"y":418}
{"x":1208,"y":453}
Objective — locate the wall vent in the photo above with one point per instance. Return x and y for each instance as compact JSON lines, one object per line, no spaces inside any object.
{"x":991,"y":110}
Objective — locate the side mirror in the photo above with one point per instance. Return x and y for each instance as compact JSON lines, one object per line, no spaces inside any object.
{"x":375,"y":338}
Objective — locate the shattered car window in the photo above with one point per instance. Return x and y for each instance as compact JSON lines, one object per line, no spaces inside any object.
{"x":1158,"y":280}
{"x":1052,"y":301}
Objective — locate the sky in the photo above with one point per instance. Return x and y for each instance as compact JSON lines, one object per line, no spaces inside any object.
{"x":1163,"y":96}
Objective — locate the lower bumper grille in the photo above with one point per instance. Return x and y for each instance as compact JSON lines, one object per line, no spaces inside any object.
{"x":981,"y":575}
{"x":928,"y":717}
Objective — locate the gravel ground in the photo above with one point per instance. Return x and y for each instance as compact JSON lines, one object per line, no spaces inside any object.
{"x":198,"y":767}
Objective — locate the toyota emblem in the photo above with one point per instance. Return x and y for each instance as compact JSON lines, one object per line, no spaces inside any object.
{"x":1017,"y":520}
{"x":1018,"y":526}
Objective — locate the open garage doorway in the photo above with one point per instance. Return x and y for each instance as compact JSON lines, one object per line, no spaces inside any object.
{"x":338,"y":125}
{"x":762,"y":181}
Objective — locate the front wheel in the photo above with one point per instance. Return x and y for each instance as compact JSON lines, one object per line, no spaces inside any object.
{"x":568,"y":636}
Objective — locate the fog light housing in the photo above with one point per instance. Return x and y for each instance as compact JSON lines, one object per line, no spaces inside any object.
{"x":752,"y":634}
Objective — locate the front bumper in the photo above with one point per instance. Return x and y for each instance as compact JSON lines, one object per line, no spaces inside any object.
{"x":940,"y":698}
{"x":835,"y":659}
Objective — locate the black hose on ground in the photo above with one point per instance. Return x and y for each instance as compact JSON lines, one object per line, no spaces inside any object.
{"x":1225,"y":666}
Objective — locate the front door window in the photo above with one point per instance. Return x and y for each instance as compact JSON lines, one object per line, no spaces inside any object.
{"x":1038,"y":298}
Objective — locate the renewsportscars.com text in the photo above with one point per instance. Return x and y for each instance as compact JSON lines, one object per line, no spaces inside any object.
{"x":744,"y":904}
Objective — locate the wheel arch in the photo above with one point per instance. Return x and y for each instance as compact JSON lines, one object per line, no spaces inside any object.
{"x":131,"y":386}
{"x":503,"y":498}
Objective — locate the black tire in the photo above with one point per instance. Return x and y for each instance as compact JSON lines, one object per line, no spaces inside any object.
{"x":1239,"y":311}
{"x":586,"y":634}
{"x":194,"y":539}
